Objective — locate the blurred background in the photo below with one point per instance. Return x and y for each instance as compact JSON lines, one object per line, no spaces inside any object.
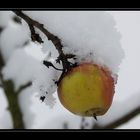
{"x":37,"y":115}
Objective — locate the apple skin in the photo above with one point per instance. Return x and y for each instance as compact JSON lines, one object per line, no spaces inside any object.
{"x":87,"y":90}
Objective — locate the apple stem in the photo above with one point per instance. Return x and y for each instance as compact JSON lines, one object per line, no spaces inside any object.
{"x":95,"y":117}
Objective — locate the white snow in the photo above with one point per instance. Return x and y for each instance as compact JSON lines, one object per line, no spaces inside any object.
{"x":90,"y":39}
{"x":91,"y":35}
{"x":13,"y":37}
{"x":5,"y":18}
{"x":22,"y":68}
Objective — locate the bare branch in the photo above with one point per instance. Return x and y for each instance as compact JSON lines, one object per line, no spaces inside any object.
{"x":12,"y":98}
{"x":23,"y":87}
{"x":34,"y":36}
{"x":1,"y":61}
{"x":120,"y":113}
{"x":0,"y":80}
{"x":124,"y":119}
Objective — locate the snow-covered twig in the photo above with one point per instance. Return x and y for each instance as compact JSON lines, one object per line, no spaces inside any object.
{"x":124,"y":119}
{"x":55,"y":40}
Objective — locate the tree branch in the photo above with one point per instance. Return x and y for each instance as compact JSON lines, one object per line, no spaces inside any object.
{"x":13,"y":106}
{"x":126,"y":118}
{"x":12,"y":98}
{"x":23,"y":87}
{"x":34,"y":36}
{"x":55,"y":40}
{"x":123,"y":119}
{"x":120,"y":113}
{"x":1,"y":61}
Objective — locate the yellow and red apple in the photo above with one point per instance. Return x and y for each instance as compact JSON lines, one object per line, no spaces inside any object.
{"x":87,"y":90}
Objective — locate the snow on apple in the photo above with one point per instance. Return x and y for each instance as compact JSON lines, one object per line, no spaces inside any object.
{"x":87,"y":90}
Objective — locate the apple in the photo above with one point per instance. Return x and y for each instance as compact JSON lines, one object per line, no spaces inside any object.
{"x":87,"y":90}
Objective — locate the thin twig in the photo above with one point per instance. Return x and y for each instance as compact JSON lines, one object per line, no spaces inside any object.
{"x":34,"y":36}
{"x":124,"y":119}
{"x":1,"y":61}
{"x":23,"y":87}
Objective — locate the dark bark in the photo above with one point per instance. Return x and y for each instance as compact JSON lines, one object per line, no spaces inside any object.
{"x":126,"y":118}
{"x":13,"y":104}
{"x":12,"y":98}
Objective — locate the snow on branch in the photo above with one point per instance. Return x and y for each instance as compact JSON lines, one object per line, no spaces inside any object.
{"x":55,"y":40}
